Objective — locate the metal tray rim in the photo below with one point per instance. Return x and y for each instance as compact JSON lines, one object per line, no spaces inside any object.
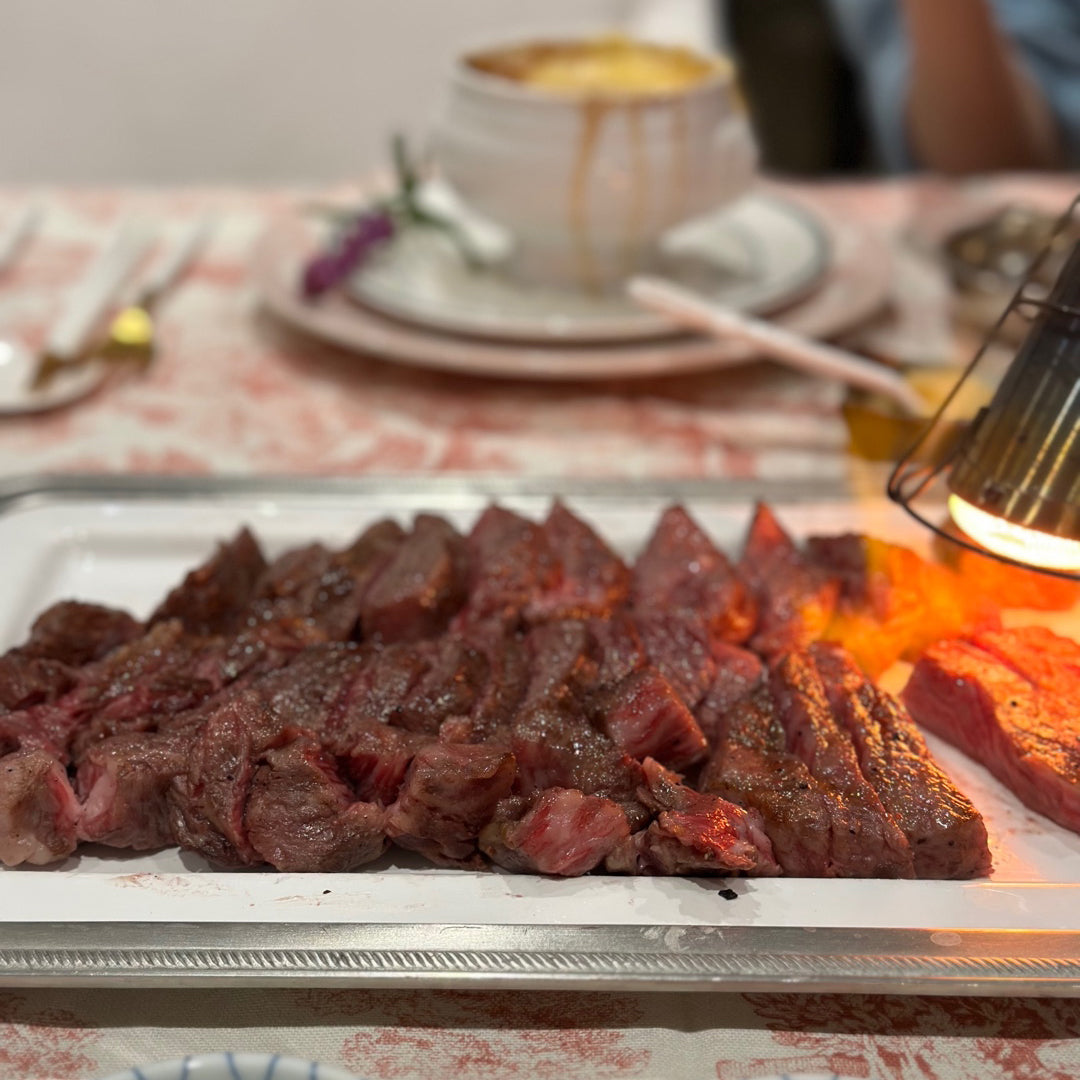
{"x":628,"y":957}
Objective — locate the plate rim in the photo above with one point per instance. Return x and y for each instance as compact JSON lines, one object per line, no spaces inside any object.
{"x":866,"y":271}
{"x":632,"y":327}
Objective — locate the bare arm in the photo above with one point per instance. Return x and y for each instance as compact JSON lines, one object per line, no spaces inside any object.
{"x":971,"y":107}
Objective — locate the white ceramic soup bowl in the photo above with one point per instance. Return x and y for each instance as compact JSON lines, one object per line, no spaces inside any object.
{"x":587,"y":183}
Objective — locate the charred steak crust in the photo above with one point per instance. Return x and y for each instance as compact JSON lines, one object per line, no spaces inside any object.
{"x":518,"y":695}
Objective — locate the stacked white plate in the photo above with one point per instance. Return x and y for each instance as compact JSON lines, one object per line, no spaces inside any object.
{"x":417,"y":301}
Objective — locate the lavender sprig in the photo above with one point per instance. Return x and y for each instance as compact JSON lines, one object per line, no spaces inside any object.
{"x":366,"y":232}
{"x":361,"y":234}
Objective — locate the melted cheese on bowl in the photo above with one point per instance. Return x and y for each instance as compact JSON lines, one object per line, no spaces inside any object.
{"x":606,"y":65}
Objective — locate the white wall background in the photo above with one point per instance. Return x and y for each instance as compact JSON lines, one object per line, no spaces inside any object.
{"x":145,"y":91}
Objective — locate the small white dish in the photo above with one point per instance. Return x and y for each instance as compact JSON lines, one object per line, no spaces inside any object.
{"x":756,"y":256}
{"x":18,"y":394}
{"x":227,"y":1066}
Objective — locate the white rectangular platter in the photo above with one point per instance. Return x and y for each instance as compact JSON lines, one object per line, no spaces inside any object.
{"x":168,"y":917}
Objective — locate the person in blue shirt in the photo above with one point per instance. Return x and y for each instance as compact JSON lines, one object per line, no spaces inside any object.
{"x":963,"y":86}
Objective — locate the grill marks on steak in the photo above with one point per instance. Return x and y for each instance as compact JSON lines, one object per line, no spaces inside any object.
{"x":519,"y":694}
{"x":866,"y":841}
{"x":945,"y":832}
{"x":996,"y":699}
{"x":842,"y":779}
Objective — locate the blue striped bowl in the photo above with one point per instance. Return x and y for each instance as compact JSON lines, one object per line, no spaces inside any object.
{"x":233,"y":1067}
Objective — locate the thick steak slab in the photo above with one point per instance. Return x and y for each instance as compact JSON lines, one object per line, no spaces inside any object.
{"x":1026,"y":734}
{"x":946,"y":833}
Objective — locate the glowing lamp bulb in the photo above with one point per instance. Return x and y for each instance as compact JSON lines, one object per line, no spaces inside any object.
{"x":1014,"y":541}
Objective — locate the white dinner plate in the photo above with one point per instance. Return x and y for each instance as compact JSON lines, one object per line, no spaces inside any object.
{"x":854,"y":288}
{"x":227,"y":1066}
{"x":757,"y":255}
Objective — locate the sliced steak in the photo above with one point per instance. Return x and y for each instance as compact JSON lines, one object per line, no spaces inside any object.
{"x":1027,"y":736}
{"x":683,"y":573}
{"x":301,"y":817}
{"x":207,"y":801}
{"x":680,"y":650}
{"x":555,"y":746}
{"x":376,"y":757}
{"x":214,"y":597}
{"x":449,"y":794}
{"x":619,"y":649}
{"x":796,"y":599}
{"x":420,"y":588}
{"x":739,"y":673}
{"x":38,"y":809}
{"x":123,"y":782}
{"x":26,"y":681}
{"x":945,"y":832}
{"x":311,"y":583}
{"x":1047,"y":660}
{"x":510,"y":561}
{"x":644,"y":717}
{"x":877,"y":847}
{"x":76,"y":633}
{"x":594,"y":581}
{"x":561,"y":832}
{"x":693,"y":833}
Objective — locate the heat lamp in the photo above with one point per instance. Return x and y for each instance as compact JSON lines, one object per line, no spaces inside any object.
{"x":1003,"y":450}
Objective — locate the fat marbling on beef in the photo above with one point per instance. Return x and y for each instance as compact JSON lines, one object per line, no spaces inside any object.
{"x":1009,"y":699}
{"x":518,"y":695}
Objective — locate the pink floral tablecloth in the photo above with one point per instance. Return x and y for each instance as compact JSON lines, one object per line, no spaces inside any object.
{"x":234,"y":393}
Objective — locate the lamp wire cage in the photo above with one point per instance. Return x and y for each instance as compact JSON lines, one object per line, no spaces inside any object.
{"x":919,"y":481}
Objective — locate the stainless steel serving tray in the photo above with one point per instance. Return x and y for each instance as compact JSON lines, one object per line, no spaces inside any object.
{"x":169,"y":919}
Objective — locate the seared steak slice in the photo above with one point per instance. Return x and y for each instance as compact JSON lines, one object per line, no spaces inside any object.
{"x":555,"y":746}
{"x":1047,"y":660}
{"x":805,"y":820}
{"x":207,"y":801}
{"x":562,"y":661}
{"x":376,"y":756}
{"x":315,"y":690}
{"x":680,"y":650}
{"x":1028,"y":736}
{"x":683,"y":573}
{"x":561,"y":832}
{"x":693,"y":833}
{"x":644,"y":717}
{"x":76,"y":633}
{"x":946,"y":833}
{"x":795,"y":598}
{"x":738,"y":674}
{"x":123,"y":782}
{"x":449,"y":794}
{"x":510,"y":561}
{"x":213,"y":598}
{"x":26,"y":681}
{"x":619,"y":649}
{"x":877,"y":847}
{"x":301,"y":817}
{"x":594,"y":581}
{"x":38,"y":809}
{"x":371,"y":550}
{"x":420,"y":588}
